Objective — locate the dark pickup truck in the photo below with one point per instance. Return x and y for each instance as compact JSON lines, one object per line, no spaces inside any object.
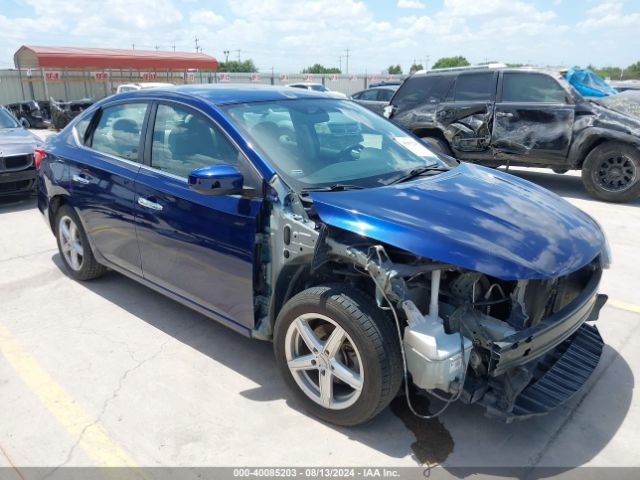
{"x":524,"y":117}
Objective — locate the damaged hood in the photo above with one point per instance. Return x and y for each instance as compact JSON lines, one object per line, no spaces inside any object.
{"x":472,"y":217}
{"x":17,"y":141}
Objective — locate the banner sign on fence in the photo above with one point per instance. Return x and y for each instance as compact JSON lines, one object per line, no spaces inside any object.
{"x":284,"y":77}
{"x":308,"y":77}
{"x":148,"y":76}
{"x":255,"y":77}
{"x":333,"y":78}
{"x":52,"y":75}
{"x":100,"y":75}
{"x":224,"y":77}
{"x":373,"y":78}
{"x":353,"y":78}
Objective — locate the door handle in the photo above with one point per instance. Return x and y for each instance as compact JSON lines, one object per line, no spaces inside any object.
{"x":149,"y":204}
{"x":81,"y":179}
{"x":504,"y":114}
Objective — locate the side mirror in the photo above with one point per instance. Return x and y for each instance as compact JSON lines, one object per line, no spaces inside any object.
{"x":220,"y":179}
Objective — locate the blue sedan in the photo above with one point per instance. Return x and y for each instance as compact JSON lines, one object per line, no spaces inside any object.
{"x":373,"y":264}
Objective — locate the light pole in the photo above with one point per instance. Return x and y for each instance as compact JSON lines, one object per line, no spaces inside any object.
{"x":226,"y":56}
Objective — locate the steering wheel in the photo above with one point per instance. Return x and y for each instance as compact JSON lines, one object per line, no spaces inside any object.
{"x":348,"y":150}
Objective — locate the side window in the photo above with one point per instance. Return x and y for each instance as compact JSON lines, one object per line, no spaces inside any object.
{"x":369,"y":95}
{"x":118,"y":130}
{"x":356,"y":96}
{"x":81,"y":127}
{"x":184,"y":140}
{"x":531,"y":87}
{"x":385,"y":95}
{"x":474,"y":87}
{"x":423,"y":89}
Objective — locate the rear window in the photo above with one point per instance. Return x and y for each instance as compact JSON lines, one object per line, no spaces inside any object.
{"x":419,"y":90}
{"x":474,"y":87}
{"x":531,"y":87}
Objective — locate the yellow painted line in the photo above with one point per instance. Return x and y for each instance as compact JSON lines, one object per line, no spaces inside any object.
{"x":83,"y":428}
{"x":629,"y":307}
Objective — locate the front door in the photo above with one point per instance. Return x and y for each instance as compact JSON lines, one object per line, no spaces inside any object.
{"x":533,"y":119}
{"x":196,"y":246}
{"x":103,"y":178}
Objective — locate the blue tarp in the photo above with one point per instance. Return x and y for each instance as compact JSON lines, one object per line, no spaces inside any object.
{"x":589,"y":83}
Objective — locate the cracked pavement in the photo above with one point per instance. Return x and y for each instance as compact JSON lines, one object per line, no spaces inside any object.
{"x":170,"y":387}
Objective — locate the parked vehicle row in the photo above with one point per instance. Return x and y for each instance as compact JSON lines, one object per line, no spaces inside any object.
{"x":31,"y":114}
{"x":375,"y":98}
{"x":369,"y":261}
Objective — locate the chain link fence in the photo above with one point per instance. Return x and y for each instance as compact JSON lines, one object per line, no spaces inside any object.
{"x":37,"y":84}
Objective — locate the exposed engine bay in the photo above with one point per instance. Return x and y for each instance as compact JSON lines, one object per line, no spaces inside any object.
{"x":464,"y":334}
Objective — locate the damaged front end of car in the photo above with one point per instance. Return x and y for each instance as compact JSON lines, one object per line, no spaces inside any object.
{"x":517,"y":346}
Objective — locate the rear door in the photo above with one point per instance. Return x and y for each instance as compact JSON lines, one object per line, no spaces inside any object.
{"x":533,"y":119}
{"x":466,"y":113}
{"x":197,"y":246}
{"x":103,"y":175}
{"x":369,"y":99}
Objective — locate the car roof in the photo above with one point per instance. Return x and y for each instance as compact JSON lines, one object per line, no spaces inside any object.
{"x":218,"y":94}
{"x":470,"y":70}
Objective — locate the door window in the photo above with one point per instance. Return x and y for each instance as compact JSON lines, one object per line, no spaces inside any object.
{"x":385,"y":95}
{"x":118,"y":130}
{"x":531,"y":87}
{"x":474,"y":87}
{"x":369,"y":95}
{"x":422,"y":89}
{"x":184,"y":140}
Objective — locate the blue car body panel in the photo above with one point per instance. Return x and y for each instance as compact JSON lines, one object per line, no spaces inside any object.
{"x":472,"y":217}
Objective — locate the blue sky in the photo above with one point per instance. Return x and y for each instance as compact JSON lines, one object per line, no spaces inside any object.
{"x":290,"y":35}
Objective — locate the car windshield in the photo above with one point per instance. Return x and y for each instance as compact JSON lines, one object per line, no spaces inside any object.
{"x":7,"y":120}
{"x":315,"y":143}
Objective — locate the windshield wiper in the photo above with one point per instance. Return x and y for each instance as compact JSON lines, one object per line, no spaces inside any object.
{"x":416,"y":172}
{"x":336,"y":187}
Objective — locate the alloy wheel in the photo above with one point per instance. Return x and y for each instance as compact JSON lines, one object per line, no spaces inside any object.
{"x":71,"y":243}
{"x":324,"y":361}
{"x":615,"y":174}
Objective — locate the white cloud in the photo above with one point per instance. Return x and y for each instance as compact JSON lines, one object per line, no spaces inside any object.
{"x":206,"y":17}
{"x":609,"y":16}
{"x":410,"y":4}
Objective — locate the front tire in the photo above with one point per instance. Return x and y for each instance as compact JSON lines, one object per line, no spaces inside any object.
{"x":611,"y":172}
{"x":74,"y":248}
{"x":338,"y":353}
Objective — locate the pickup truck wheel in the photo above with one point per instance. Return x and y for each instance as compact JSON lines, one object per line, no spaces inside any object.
{"x":338,"y":353}
{"x":611,"y":172}
{"x":438,"y":145}
{"x":74,"y":247}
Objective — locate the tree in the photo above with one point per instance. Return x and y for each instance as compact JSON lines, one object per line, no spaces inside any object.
{"x":317,"y":68}
{"x":235,"y":66}
{"x":415,"y":67}
{"x":448,"y":62}
{"x":394,"y":70}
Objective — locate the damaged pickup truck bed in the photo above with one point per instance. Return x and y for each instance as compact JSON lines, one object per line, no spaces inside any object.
{"x":368,"y":260}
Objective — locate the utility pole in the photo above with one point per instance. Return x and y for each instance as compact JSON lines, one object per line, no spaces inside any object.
{"x":197,"y":45}
{"x":347,"y":67}
{"x":226,"y":56}
{"x":133,"y":46}
{"x":340,"y":63}
{"x":157,"y":47}
{"x":174,"y":47}
{"x":238,"y":50}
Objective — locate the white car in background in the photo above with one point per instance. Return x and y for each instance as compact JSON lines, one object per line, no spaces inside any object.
{"x":130,"y":87}
{"x":317,"y":87}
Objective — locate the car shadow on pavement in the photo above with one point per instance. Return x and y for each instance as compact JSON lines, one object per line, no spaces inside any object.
{"x":17,"y":204}
{"x":474,"y":443}
{"x":566,"y":185}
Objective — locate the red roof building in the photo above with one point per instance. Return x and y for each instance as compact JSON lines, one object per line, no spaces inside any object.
{"x":29,"y":56}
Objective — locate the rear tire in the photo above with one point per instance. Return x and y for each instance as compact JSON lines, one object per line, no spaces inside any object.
{"x":363,"y":370}
{"x":611,"y":172}
{"x":438,"y":145}
{"x":74,"y":248}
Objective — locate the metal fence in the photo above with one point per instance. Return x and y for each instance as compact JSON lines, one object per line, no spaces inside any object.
{"x":35,"y":84}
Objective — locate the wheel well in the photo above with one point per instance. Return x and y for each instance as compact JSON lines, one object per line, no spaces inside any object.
{"x":54,"y":205}
{"x":430,"y":132}
{"x":593,"y":143}
{"x":295,"y":278}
